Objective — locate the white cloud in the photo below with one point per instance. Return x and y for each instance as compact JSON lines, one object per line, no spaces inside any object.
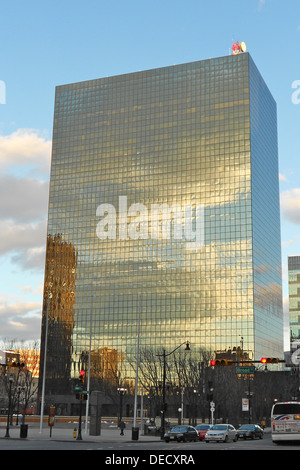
{"x":25,"y":148}
{"x":290,"y":205}
{"x":31,"y":259}
{"x":24,"y":188}
{"x":24,"y":185}
{"x":31,"y":290}
{"x":17,"y":237}
{"x":282,"y":177}
{"x":20,"y":320}
{"x":23,"y":199}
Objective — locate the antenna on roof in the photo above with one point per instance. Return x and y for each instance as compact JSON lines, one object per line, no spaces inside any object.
{"x":238,"y":47}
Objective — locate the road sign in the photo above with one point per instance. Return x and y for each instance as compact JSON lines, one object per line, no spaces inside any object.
{"x":212,"y":406}
{"x":245,"y":369}
{"x":245,"y":404}
{"x":51,"y":416}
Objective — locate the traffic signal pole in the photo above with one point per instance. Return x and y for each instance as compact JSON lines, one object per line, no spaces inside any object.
{"x":79,"y":437}
{"x":80,"y":396}
{"x":229,"y":362}
{"x":242,"y":370}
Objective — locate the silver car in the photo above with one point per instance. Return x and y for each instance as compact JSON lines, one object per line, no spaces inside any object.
{"x":221,"y":433}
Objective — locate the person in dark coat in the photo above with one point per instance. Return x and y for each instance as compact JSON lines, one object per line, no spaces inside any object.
{"x":122,"y":426}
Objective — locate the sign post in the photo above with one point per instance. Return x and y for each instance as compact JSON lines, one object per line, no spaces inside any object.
{"x":245,"y":404}
{"x":212,"y":409}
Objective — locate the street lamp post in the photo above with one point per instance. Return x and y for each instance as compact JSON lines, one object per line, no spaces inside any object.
{"x":9,"y":405}
{"x":195,"y":391}
{"x":179,"y":393}
{"x":164,"y":355}
{"x":20,"y":389}
{"x":121,"y":391}
{"x":45,"y":364}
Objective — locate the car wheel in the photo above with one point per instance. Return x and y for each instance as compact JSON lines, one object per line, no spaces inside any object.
{"x":226,"y":439}
{"x":235,"y":439}
{"x":206,"y":441}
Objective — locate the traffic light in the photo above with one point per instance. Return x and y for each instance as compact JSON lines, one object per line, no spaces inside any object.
{"x":82,"y":376}
{"x":81,"y":396}
{"x":221,"y":362}
{"x":269,"y":360}
{"x":19,"y":365}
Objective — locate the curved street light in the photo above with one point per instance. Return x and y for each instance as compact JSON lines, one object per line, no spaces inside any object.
{"x":164,"y":355}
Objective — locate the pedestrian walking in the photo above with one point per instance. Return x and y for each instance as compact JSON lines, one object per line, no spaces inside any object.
{"x":122,"y":426}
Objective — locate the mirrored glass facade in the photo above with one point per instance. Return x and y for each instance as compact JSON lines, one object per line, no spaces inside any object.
{"x":163,"y":216}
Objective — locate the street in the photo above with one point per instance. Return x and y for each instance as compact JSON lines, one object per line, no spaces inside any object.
{"x":111,"y":443}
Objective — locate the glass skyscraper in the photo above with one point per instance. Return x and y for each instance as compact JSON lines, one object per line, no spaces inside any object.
{"x":163,"y":217}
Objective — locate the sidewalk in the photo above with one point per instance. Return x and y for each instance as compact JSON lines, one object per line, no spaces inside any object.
{"x":66,"y":433}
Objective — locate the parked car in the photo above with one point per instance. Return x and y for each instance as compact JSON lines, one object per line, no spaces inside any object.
{"x":202,"y":430}
{"x":181,"y":433}
{"x":250,"y":430}
{"x":221,"y":433}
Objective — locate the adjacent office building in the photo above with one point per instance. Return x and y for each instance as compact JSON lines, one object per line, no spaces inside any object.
{"x":163,"y":217}
{"x":294,"y":297}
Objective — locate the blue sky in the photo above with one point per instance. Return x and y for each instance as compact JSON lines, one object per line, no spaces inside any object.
{"x":49,"y":43}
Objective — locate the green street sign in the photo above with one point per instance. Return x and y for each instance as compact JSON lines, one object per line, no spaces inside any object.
{"x":245,"y":369}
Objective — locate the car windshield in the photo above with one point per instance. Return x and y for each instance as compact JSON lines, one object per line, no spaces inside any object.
{"x":218,"y":427}
{"x":200,"y":427}
{"x":247,"y":427}
{"x":179,"y":429}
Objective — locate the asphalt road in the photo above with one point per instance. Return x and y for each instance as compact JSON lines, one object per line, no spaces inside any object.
{"x":111,"y":443}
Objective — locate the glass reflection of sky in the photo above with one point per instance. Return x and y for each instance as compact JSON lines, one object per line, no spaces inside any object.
{"x":201,"y":133}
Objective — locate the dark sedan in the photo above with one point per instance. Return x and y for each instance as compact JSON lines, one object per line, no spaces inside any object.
{"x":250,"y":431}
{"x":181,"y":433}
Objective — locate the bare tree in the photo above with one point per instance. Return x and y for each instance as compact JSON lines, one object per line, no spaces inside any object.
{"x":23,"y":380}
{"x":27,"y":379}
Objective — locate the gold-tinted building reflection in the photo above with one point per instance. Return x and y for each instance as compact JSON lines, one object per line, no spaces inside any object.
{"x":199,"y":134}
{"x":58,"y":306}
